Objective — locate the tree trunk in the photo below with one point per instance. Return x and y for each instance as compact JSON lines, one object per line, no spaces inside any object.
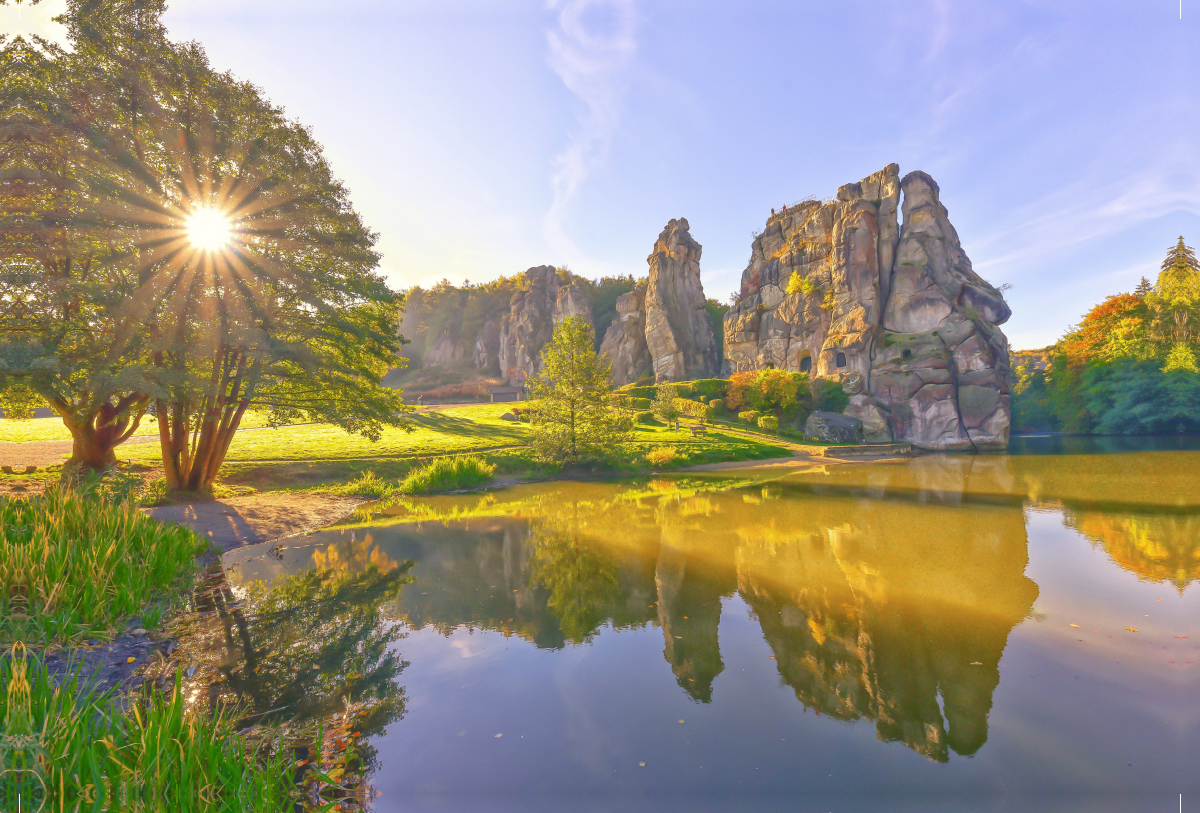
{"x":96,"y":436}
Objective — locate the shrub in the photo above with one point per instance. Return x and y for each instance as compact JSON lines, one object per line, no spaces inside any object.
{"x":75,"y":567}
{"x":662,"y":456}
{"x":749,"y":416}
{"x":828,"y":396}
{"x":448,"y":474}
{"x":768,"y":422}
{"x":693,"y":409}
{"x":703,"y":389}
{"x":632,"y":391}
{"x":644,"y":416}
{"x":716,"y":405}
{"x":637,"y":403}
{"x":369,"y":484}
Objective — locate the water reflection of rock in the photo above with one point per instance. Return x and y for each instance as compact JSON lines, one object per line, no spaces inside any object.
{"x":888,"y":597}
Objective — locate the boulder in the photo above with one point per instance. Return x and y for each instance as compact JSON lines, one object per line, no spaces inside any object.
{"x":830,"y":427}
{"x":679,"y":334}
{"x":508,"y":416}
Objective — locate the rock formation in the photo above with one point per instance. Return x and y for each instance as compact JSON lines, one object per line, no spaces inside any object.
{"x":664,"y":328}
{"x":529,"y":324}
{"x":679,"y":333}
{"x":445,"y":350}
{"x":625,"y":342}
{"x":897,"y":315}
{"x":486,"y":355}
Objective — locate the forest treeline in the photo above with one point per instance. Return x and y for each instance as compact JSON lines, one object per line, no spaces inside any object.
{"x":1130,"y":367}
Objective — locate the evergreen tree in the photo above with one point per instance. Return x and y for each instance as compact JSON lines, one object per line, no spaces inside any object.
{"x":574,"y":418}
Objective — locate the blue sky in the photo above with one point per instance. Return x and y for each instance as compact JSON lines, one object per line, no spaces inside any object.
{"x":481,"y":137}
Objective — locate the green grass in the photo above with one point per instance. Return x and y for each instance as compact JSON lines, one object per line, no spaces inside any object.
{"x":42,"y":429}
{"x":74,"y":567}
{"x":462,"y":429}
{"x":72,"y":741}
{"x":448,"y":474}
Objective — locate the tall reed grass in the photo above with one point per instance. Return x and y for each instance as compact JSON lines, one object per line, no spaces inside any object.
{"x":72,"y":746}
{"x":73,"y":567}
{"x":448,"y":474}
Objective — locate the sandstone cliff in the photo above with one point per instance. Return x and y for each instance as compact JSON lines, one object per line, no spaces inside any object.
{"x":664,"y":327}
{"x":625,"y":341}
{"x":529,"y":324}
{"x":896,"y":314}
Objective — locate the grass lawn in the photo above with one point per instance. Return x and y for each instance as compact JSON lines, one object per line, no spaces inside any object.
{"x":40,"y":429}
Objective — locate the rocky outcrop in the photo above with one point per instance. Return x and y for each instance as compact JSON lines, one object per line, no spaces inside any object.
{"x":625,"y":341}
{"x":664,"y":327}
{"x":446,"y":349}
{"x":830,"y":427}
{"x":529,"y":324}
{"x":486,"y":355}
{"x":679,"y":332}
{"x":839,"y":290}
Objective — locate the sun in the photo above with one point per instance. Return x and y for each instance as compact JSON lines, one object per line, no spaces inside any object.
{"x":209,"y":229}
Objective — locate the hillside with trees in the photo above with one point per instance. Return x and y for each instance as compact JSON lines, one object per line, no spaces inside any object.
{"x":1130,"y":367}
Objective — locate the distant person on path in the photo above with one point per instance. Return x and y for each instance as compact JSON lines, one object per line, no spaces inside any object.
{"x":420,"y":400}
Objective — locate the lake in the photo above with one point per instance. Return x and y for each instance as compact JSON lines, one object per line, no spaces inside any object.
{"x":1012,"y":632}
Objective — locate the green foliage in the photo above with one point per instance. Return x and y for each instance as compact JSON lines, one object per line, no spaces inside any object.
{"x":798,"y":284}
{"x":1181,"y":357}
{"x":768,"y":422}
{"x":666,"y":402}
{"x":75,"y":567}
{"x":638,"y":391}
{"x":448,"y":474}
{"x":662,"y":457}
{"x":644,"y":416}
{"x":637,"y":403}
{"x":828,"y":396}
{"x":716,"y":313}
{"x":162,"y":756}
{"x":693,"y":409}
{"x":749,"y":416}
{"x":704,"y":389}
{"x":581,"y":576}
{"x":575,"y":419}
{"x":716,"y":405}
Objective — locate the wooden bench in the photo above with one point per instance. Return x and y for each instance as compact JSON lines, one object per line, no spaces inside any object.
{"x":699,"y":430}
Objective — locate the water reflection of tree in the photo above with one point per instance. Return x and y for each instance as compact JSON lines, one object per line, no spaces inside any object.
{"x":300,"y":649}
{"x":1155,"y":547}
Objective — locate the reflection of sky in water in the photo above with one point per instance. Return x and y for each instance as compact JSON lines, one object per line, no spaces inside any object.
{"x":966,"y":610}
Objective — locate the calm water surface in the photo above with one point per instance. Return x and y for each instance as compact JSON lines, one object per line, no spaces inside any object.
{"x":1012,"y":632}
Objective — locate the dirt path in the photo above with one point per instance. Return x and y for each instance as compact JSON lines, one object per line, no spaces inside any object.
{"x":43,"y":453}
{"x":238,"y":521}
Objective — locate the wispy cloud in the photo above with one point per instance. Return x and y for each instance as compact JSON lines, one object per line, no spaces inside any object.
{"x":591,"y":50}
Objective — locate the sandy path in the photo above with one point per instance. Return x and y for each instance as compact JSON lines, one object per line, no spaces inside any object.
{"x":239,"y":521}
{"x":42,"y":453}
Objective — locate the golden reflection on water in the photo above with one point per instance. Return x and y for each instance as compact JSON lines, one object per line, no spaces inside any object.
{"x":884,"y":591}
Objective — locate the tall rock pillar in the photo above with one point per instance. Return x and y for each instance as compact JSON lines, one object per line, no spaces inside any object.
{"x":679,"y":332}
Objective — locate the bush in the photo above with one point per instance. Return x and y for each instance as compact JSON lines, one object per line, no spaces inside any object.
{"x":693,"y":409}
{"x":662,"y":456}
{"x":768,"y":422}
{"x":716,"y":405}
{"x":369,"y":484}
{"x":637,"y":403}
{"x":828,"y":396}
{"x":647,"y":392}
{"x":749,"y":416}
{"x":703,"y":389}
{"x":448,"y":474}
{"x":645,"y":416}
{"x":75,"y":567}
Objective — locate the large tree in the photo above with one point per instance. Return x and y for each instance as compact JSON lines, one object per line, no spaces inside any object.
{"x":574,"y":418}
{"x":212,"y":262}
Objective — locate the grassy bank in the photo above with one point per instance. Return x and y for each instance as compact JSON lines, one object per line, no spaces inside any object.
{"x":74,"y":568}
{"x":73,"y":748}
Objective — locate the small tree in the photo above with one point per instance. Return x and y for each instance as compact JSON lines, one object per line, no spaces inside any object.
{"x":574,"y":418}
{"x":665,"y":406}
